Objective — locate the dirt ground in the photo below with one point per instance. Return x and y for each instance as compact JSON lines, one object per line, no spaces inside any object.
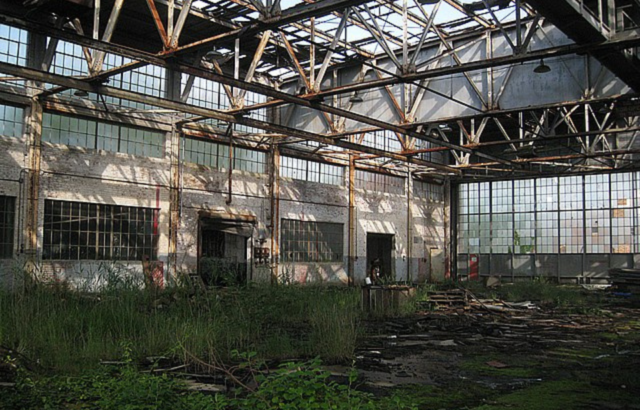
{"x":507,"y":357}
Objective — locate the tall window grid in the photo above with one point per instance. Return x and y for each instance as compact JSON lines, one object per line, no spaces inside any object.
{"x":11,"y":121}
{"x":310,"y":241}
{"x":591,"y":214}
{"x":148,"y":80}
{"x":312,"y":171}
{"x":85,"y":231}
{"x":62,"y":129}
{"x":383,"y":139}
{"x":13,"y":45}
{"x":426,"y":190}
{"x":215,"y":155}
{"x":373,"y":181}
{"x":7,"y":225}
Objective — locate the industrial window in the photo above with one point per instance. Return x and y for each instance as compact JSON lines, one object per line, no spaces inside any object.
{"x":311,"y":171}
{"x":547,"y":194}
{"x":433,"y":156}
{"x":307,"y":241}
{"x":383,"y":139}
{"x":214,"y":155}
{"x":592,"y":214}
{"x":571,"y":228}
{"x":11,"y":120}
{"x":571,"y":193}
{"x":148,"y":80}
{"x":13,"y":45}
{"x":7,"y":220}
{"x":425,"y":190}
{"x":83,"y":231}
{"x":69,"y":60}
{"x":206,"y":93}
{"x":252,"y":98}
{"x":373,"y":181}
{"x":98,"y":135}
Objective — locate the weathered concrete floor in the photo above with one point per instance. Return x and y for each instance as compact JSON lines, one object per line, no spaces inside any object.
{"x":593,"y":355}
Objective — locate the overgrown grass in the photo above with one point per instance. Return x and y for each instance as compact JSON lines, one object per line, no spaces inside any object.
{"x":69,"y":332}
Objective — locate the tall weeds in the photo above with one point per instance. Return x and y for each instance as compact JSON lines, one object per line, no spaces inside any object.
{"x":69,"y":331}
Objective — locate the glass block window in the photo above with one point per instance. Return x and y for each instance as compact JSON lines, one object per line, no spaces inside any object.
{"x":311,"y":171}
{"x":502,"y":233}
{"x":425,"y":190}
{"x":547,"y":232}
{"x":598,"y":231}
{"x":309,"y":241}
{"x":622,"y":191}
{"x":84,"y":231}
{"x":60,"y":129}
{"x":7,"y":225}
{"x":215,"y":155}
{"x":11,"y":121}
{"x":571,"y":228}
{"x":622,"y":228}
{"x":13,"y":45}
{"x":596,"y":191}
{"x":372,"y":181}
{"x":571,"y":193}
{"x":547,"y":194}
{"x":524,"y":195}
{"x":484,"y":229}
{"x":524,"y":233}
{"x":571,"y":214}
{"x":501,"y":196}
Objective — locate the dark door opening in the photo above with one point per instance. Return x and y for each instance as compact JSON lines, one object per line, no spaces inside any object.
{"x":380,"y":255}
{"x":222,"y":252}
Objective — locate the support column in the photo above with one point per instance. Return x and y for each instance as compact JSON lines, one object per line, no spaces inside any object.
{"x":351,"y":251}
{"x":274,"y":184}
{"x":34,"y":156}
{"x":449,"y":215}
{"x":409,"y":226}
{"x":174,"y":202}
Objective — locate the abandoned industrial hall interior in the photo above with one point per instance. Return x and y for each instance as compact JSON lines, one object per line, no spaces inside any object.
{"x":319,"y":140}
{"x":438,"y":200}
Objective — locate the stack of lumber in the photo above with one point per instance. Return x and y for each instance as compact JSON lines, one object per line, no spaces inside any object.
{"x":625,"y":279}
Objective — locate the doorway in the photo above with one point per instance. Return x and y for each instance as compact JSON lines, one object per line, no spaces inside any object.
{"x":380,"y":249}
{"x":222,"y":251}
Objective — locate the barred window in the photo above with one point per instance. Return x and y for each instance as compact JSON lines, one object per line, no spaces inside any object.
{"x":84,"y":231}
{"x":307,"y":241}
{"x":61,"y":129}
{"x":214,"y":155}
{"x":11,"y":120}
{"x":7,"y":221}
{"x":372,"y":181}
{"x":311,"y":171}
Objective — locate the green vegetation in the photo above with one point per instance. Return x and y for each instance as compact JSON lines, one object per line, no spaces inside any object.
{"x":70,"y":332}
{"x":560,"y":395}
{"x":294,"y":385}
{"x":515,"y":366}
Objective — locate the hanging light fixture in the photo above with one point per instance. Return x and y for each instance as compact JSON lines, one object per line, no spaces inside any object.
{"x":542,"y":68}
{"x":356,"y":98}
{"x":81,"y":93}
